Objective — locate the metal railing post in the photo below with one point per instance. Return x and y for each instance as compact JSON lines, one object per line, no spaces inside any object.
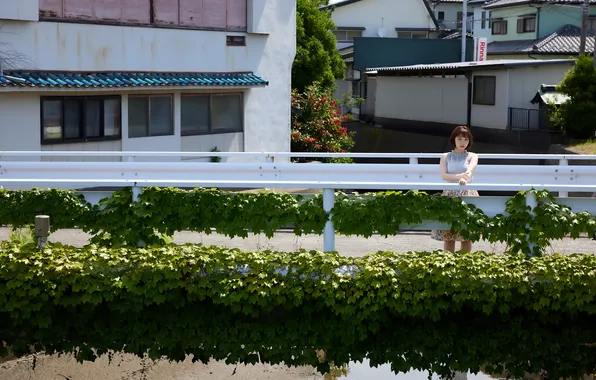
{"x":532,"y":202}
{"x":414,"y":161}
{"x":563,"y":194}
{"x":329,"y":231}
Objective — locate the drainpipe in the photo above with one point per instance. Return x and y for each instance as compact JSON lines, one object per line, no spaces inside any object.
{"x":538,"y":22}
{"x":469,"y":105}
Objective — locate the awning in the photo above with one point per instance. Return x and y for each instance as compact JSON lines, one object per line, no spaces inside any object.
{"x":91,"y":80}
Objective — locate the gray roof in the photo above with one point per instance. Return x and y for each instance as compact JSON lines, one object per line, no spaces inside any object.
{"x":510,"y":3}
{"x":471,"y":66}
{"x":548,"y":94}
{"x":563,"y":41}
{"x":457,"y":35}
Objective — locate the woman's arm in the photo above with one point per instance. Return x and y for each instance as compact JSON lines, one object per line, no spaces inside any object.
{"x":446,"y":176}
{"x":473,"y":164}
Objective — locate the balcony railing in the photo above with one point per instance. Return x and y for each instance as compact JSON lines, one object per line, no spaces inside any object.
{"x":528,"y":119}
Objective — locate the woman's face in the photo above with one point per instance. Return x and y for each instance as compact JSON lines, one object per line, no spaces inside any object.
{"x":461,"y":142}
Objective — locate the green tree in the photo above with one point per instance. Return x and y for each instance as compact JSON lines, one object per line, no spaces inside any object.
{"x":576,"y":116}
{"x":317,"y":59}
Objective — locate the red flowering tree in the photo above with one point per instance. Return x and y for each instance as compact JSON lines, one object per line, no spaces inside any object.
{"x":317,"y":126}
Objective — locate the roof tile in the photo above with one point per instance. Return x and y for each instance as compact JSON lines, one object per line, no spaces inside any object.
{"x":563,"y":41}
{"x":126,"y":79}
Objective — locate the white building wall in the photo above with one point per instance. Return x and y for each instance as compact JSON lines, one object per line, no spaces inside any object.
{"x":24,"y":10}
{"x":386,"y":14}
{"x":440,"y":100}
{"x":19,"y":124}
{"x":478,"y":30}
{"x":450,"y":12}
{"x":493,"y":116}
{"x":89,"y":47}
{"x":524,"y":82}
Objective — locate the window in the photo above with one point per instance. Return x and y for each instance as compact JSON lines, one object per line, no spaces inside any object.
{"x":150,"y":116}
{"x":211,"y":113}
{"x":412,"y":34}
{"x":235,"y":40}
{"x":592,"y":24}
{"x":483,"y":22}
{"x":526,"y":24}
{"x":76,"y":119}
{"x":441,"y":16}
{"x":484,"y":90}
{"x":356,"y":88}
{"x":499,"y":27}
{"x":347,"y":35}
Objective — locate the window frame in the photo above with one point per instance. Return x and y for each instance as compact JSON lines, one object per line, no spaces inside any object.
{"x":522,"y":26}
{"x":481,"y":80}
{"x":210,"y":111}
{"x":149,"y":96}
{"x":346,"y":31}
{"x":82,"y":114}
{"x":503,"y":28}
{"x":422,"y":33}
{"x":483,"y":20}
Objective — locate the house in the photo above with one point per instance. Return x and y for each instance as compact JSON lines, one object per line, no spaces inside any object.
{"x":481,"y":17}
{"x":449,"y":13}
{"x":493,"y":94}
{"x":538,"y":29}
{"x":146,"y":75}
{"x":382,"y":18}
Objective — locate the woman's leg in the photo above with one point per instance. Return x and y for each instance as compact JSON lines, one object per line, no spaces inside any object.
{"x":466,"y":246}
{"x":449,"y":245}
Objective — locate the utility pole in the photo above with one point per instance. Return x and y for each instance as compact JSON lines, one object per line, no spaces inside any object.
{"x":585,"y":13}
{"x":464,"y":29}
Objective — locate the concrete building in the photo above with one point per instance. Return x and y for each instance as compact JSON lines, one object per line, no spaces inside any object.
{"x":490,"y":94}
{"x":146,"y":75}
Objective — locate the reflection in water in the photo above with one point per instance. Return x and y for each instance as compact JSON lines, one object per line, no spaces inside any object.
{"x":363,"y":371}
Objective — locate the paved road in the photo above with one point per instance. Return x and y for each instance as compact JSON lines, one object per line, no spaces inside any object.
{"x":346,"y":245}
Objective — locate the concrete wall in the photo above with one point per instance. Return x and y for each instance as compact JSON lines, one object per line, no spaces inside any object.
{"x":386,"y":14}
{"x":441,"y":100}
{"x":493,"y":116}
{"x":24,"y":10}
{"x":92,"y":47}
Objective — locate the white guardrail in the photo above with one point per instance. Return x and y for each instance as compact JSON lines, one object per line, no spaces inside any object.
{"x":133,"y":171}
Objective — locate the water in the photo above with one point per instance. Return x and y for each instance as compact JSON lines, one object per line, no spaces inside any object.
{"x":363,"y":371}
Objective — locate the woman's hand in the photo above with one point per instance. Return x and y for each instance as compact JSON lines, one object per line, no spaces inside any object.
{"x":463,"y":181}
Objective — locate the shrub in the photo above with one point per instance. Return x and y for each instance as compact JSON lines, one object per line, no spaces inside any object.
{"x":318,"y":126}
{"x":576,"y":116}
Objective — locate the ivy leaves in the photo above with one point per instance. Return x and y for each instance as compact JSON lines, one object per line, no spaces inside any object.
{"x":428,"y":310}
{"x":160,"y":212}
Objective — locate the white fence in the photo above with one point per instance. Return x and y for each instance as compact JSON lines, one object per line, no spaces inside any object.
{"x":561,"y":178}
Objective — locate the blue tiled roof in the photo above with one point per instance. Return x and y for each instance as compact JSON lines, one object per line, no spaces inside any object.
{"x":65,"y":79}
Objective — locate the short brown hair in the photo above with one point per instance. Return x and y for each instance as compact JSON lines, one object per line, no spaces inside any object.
{"x":461,"y":130}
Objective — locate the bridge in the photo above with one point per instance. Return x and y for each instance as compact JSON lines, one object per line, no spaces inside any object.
{"x":273,"y":170}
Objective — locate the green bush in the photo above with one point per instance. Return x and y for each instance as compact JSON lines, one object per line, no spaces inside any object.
{"x":576,"y":116}
{"x":160,"y":212}
{"x":427,"y":310}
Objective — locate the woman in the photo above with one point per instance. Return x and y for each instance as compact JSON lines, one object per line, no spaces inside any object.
{"x":457,"y":166}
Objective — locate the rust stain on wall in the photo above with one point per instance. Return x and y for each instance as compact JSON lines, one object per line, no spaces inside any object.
{"x":50,"y":8}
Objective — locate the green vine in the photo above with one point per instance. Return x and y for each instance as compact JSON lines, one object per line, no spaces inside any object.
{"x":160,"y":212}
{"x":434,"y":311}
